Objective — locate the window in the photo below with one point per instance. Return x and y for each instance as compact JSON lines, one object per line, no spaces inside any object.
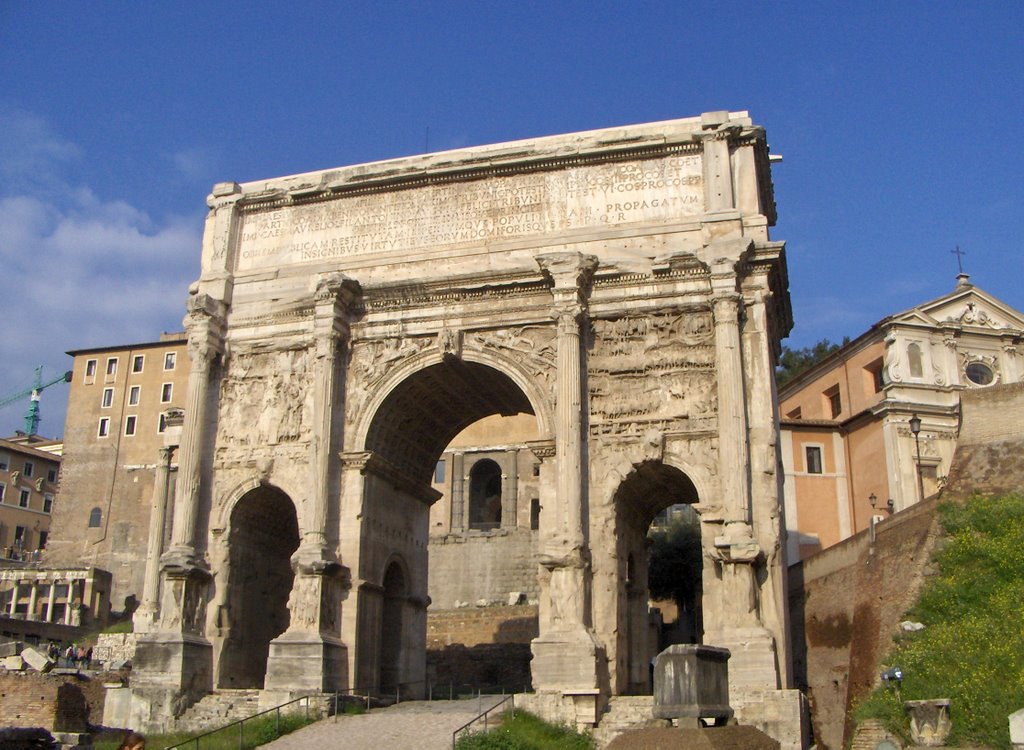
{"x":51,"y":475}
{"x":979,"y":373}
{"x":166,"y":390}
{"x":48,"y":502}
{"x":914,"y":360}
{"x":794,"y":414}
{"x":137,"y":362}
{"x":20,"y":533}
{"x":43,"y":535}
{"x":485,"y":495}
{"x":169,"y":359}
{"x":95,"y":518}
{"x":438,"y":471}
{"x":29,"y":469}
{"x":111,"y":366}
{"x":874,"y":381}
{"x":813,"y":458}
{"x":534,"y":513}
{"x":104,"y":428}
{"x":108,"y":398}
{"x":833,"y":402}
{"x":90,"y":369}
{"x":536,"y":470}
{"x":3,"y":489}
{"x":133,"y":395}
{"x":161,"y":423}
{"x":129,"y":425}
{"x":5,"y":462}
{"x":23,"y":498}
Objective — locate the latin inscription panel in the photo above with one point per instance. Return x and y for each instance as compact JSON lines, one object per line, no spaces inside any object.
{"x":473,"y":212}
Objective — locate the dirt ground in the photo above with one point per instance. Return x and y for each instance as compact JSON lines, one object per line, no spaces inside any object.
{"x":671,"y":738}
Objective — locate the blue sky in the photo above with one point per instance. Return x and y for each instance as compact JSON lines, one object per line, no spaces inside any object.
{"x":897,"y":124}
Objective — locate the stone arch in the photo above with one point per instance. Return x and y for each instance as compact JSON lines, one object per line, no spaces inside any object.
{"x":262,"y":534}
{"x":649,"y":489}
{"x":532,"y":386}
{"x":485,"y":483}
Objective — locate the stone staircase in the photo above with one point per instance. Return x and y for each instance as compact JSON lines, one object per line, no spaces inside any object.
{"x":625,"y":712}
{"x":217,"y":709}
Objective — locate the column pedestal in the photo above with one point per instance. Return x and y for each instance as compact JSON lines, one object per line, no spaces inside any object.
{"x":170,"y":672}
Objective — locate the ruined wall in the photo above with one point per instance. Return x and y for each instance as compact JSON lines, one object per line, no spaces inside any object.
{"x":482,"y":565}
{"x":846,"y":604}
{"x":987,"y":457}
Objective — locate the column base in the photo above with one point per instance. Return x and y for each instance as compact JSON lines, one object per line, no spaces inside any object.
{"x":753,"y":665}
{"x":307,"y":662}
{"x":565,"y":662}
{"x":170,"y":672}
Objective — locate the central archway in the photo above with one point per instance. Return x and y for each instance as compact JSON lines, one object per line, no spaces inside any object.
{"x":408,"y":433}
{"x":264,"y":533}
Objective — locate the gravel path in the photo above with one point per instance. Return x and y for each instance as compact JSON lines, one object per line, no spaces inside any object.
{"x":414,"y":725}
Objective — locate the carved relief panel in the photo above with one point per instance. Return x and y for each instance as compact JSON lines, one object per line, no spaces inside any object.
{"x":651,"y":371}
{"x":266,"y":399}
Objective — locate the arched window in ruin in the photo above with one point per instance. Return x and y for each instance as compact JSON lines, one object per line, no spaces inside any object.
{"x":485,"y":495}
{"x":914,"y":360}
{"x":95,"y":518}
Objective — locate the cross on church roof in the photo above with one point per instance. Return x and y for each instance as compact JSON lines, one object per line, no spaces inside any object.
{"x":959,"y":256}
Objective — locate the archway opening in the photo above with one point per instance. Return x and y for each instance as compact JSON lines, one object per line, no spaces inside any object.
{"x":395,"y":596}
{"x":660,"y":551}
{"x":485,"y":495}
{"x":264,"y":534}
{"x":408,"y":438}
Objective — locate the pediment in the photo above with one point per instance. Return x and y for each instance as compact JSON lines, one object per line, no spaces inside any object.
{"x":968,"y":307}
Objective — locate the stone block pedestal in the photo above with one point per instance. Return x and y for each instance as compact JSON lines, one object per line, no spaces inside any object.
{"x":692,"y":681}
{"x":307,"y":662}
{"x":171,"y":671}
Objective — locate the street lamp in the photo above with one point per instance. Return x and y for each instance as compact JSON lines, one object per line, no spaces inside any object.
{"x":915,"y":428}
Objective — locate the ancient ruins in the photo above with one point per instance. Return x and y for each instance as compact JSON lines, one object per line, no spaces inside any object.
{"x":618,"y":285}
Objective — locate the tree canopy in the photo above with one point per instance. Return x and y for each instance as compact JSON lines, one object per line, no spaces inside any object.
{"x":792,"y":362}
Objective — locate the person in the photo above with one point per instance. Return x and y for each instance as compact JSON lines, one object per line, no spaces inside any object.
{"x":69,"y":655}
{"x":132,"y":741}
{"x":88,"y":658}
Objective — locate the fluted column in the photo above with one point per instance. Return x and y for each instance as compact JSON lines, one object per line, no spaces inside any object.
{"x":732,"y":419}
{"x":565,"y":651}
{"x":204,"y":324}
{"x":33,"y":596}
{"x":458,"y":492}
{"x":50,"y":601}
{"x":510,"y":491}
{"x":146,"y":615}
{"x":334,"y":296}
{"x":14,"y":598}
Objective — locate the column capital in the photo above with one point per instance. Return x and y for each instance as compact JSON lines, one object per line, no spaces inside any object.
{"x":570,"y":274}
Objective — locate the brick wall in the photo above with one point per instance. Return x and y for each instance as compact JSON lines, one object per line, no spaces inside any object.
{"x":485,"y":647}
{"x":58,"y":703}
{"x":987,"y":457}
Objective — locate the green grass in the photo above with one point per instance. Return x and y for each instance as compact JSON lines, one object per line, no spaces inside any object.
{"x":254,"y":733}
{"x":524,"y":731}
{"x":124,"y":626}
{"x":972,"y":648}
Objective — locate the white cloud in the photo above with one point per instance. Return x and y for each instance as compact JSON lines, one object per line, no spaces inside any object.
{"x":78,"y":270}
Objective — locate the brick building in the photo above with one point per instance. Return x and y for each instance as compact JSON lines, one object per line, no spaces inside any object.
{"x":113,"y":435}
{"x":28,"y":489}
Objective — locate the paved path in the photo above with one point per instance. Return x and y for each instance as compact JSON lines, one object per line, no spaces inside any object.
{"x":413,"y":725}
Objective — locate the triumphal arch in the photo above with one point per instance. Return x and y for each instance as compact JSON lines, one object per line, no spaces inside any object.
{"x":618,"y":285}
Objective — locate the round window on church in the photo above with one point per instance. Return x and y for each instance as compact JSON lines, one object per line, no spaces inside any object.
{"x":979,"y":373}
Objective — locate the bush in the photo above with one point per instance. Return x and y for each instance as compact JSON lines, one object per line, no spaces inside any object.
{"x":972,"y":648}
{"x":524,"y":731}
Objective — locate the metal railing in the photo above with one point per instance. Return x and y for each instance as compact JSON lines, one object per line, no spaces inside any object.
{"x":508,"y":699}
{"x":228,"y":729}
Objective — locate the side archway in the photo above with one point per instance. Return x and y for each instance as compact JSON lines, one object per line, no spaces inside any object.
{"x":263,"y":534}
{"x":660,"y":494}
